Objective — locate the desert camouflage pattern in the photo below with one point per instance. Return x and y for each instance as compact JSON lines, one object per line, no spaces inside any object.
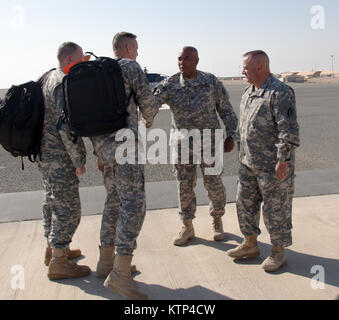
{"x":256,"y":187}
{"x":268,"y":128}
{"x":125,"y":205}
{"x":61,"y":205}
{"x":196,"y":104}
{"x":111,"y":209}
{"x":186,"y":176}
{"x":268,"y":132}
{"x":59,"y":158}
{"x":58,"y":145}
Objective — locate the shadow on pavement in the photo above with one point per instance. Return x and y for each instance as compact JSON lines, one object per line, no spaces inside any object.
{"x":157,"y":292}
{"x":220,"y":245}
{"x":299,"y":264}
{"x":95,"y":286}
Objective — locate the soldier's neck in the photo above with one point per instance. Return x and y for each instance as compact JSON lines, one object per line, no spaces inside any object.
{"x":191,"y":76}
{"x":260,"y":81}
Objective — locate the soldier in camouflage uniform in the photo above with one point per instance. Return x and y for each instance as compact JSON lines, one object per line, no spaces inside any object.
{"x":125,"y":205}
{"x":60,"y":164}
{"x":268,"y":136}
{"x":196,"y":99}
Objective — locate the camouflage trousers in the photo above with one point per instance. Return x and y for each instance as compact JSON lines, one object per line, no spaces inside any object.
{"x":186,"y":176}
{"x":61,"y":206}
{"x":125,"y":205}
{"x":258,"y":188}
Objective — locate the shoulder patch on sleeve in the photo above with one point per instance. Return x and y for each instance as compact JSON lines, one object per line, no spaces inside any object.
{"x":287,"y":107}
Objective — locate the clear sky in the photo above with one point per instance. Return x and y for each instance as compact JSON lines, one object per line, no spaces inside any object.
{"x":222,"y":30}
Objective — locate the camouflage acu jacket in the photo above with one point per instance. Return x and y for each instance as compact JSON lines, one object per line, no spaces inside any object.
{"x":195,"y":103}
{"x":268,"y":129}
{"x":56,"y":145}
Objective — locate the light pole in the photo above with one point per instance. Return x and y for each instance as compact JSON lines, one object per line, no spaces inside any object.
{"x":332,"y":56}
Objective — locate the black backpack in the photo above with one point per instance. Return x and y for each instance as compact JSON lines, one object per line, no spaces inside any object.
{"x":21,"y":119}
{"x":95,"y":98}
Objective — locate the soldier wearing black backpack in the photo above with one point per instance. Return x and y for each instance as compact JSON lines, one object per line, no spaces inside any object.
{"x":125,"y":205}
{"x":61,"y":162}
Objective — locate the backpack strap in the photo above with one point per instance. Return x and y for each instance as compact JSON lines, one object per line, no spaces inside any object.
{"x":41,"y":82}
{"x":42,"y":79}
{"x":132,"y":94}
{"x":92,"y":54}
{"x":63,"y":118}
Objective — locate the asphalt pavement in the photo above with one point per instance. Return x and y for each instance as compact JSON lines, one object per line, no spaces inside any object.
{"x":318,"y":116}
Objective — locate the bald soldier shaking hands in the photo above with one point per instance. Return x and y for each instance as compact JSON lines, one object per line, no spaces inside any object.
{"x":196,"y":99}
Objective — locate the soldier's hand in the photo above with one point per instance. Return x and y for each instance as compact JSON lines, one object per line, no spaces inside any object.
{"x":228,"y":144}
{"x":80,"y":171}
{"x":281,"y":170}
{"x":149,"y":125}
{"x":100,"y":166}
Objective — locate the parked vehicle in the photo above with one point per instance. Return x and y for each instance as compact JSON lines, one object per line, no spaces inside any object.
{"x":155,"y":78}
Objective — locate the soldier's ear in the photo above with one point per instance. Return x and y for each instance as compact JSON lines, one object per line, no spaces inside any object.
{"x":128,"y":47}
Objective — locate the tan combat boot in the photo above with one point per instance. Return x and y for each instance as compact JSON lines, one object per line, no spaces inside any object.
{"x":106,"y":261}
{"x":48,"y":254}
{"x":61,"y":268}
{"x":71,"y":254}
{"x":249,"y":248}
{"x":218,"y":230}
{"x":120,"y":281}
{"x":186,"y":233}
{"x":275,"y":261}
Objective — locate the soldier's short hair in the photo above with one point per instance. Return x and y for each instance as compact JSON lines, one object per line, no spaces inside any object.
{"x":120,"y":38}
{"x":257,"y":53}
{"x":195,"y":50}
{"x":66,"y":49}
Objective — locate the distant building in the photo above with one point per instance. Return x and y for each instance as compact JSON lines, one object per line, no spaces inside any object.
{"x":293,"y":78}
{"x":155,"y":78}
{"x":329,"y":74}
{"x":287,"y":74}
{"x":232,"y":78}
{"x":310,"y":75}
